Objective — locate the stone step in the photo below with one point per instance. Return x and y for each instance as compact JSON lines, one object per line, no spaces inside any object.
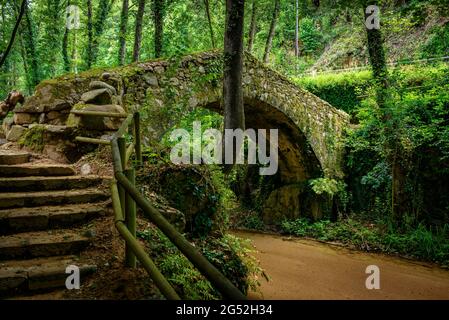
{"x":12,"y":184}
{"x":21,"y":276}
{"x":47,"y":198}
{"x":41,"y":244}
{"x":35,"y":170}
{"x":49,"y":217}
{"x":12,"y":157}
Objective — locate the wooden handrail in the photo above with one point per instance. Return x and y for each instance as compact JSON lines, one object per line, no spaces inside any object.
{"x":125,"y":191}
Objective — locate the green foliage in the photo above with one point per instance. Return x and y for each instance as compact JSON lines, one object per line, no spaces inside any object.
{"x":231,"y":255}
{"x":33,"y":138}
{"x":438,"y":44}
{"x":326,"y":186}
{"x":309,"y":35}
{"x":415,"y":137}
{"x":420,"y":242}
{"x":341,"y":90}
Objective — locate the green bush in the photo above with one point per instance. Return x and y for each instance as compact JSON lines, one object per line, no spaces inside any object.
{"x":231,"y":255}
{"x":438,"y":44}
{"x":424,"y":243}
{"x":309,"y":35}
{"x":341,"y":90}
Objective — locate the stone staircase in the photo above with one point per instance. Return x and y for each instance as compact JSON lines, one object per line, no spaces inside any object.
{"x":43,"y":208}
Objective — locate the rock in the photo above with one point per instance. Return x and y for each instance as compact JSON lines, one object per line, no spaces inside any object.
{"x":98,"y":97}
{"x":151,"y":80}
{"x":42,"y":118}
{"x":86,"y":169}
{"x":56,"y":129}
{"x":15,"y":133}
{"x":7,"y":123}
{"x":53,"y":115}
{"x":174,"y":216}
{"x":55,"y":153}
{"x":159,"y":69}
{"x":90,"y":233}
{"x":49,"y":97}
{"x":24,"y":118}
{"x":102,"y":85}
{"x":193,"y":102}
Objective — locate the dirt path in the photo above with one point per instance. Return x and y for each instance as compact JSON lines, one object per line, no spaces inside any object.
{"x":303,"y":269}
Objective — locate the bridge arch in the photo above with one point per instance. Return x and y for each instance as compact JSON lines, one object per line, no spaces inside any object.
{"x":310,"y":130}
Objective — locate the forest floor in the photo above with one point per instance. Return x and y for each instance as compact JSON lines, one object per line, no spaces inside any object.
{"x":306,"y":269}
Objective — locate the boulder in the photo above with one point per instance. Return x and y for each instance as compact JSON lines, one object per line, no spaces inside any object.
{"x":25,"y":118}
{"x":49,"y":97}
{"x":53,"y":115}
{"x":98,"y":97}
{"x":15,"y":133}
{"x":151,"y":80}
{"x":7,"y":124}
{"x":102,"y":85}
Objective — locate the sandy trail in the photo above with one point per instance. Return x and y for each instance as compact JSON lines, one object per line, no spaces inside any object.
{"x":303,"y":269}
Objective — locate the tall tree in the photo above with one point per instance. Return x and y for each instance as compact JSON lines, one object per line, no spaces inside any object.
{"x":158,"y":16}
{"x":51,"y":22}
{"x":65,"y":44}
{"x":90,"y":35}
{"x":297,"y":29}
{"x":96,"y":28}
{"x":4,"y":55}
{"x":211,"y":29}
{"x":272,"y":31}
{"x":234,"y":114}
{"x":252,"y":26}
{"x":122,"y":34}
{"x":138,"y":31}
{"x":376,"y":50}
{"x":30,"y":48}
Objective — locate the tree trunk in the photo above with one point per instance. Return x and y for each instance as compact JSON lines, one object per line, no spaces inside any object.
{"x":158,"y":14}
{"x":234,"y":115}
{"x":65,"y":44}
{"x":3,"y":55}
{"x":122,"y":35}
{"x":297,"y":30}
{"x":272,"y":31}
{"x":377,"y":55}
{"x":30,"y":47}
{"x":90,"y":35}
{"x":138,"y":31}
{"x":104,"y":7}
{"x":25,"y":65}
{"x":211,"y":29}
{"x":252,"y":27}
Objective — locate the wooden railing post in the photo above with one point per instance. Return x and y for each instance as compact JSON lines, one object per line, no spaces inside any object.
{"x":137,"y":141}
{"x":122,"y":150}
{"x":130,"y":219}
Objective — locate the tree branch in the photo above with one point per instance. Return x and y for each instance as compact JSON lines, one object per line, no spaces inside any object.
{"x":13,"y":35}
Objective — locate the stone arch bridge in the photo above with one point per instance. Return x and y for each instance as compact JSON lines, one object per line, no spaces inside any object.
{"x":310,"y":129}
